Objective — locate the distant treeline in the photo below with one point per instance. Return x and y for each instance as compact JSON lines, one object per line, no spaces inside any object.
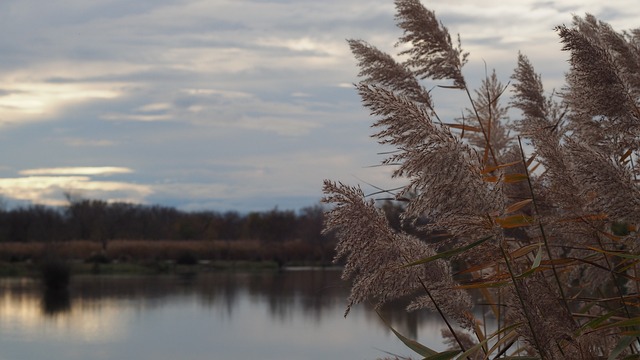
{"x":99,"y":232}
{"x":99,"y":220}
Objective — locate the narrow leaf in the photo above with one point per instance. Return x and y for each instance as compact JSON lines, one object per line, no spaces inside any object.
{"x":587,"y":218}
{"x":538,"y":258}
{"x":450,"y":87}
{"x":411,"y":344}
{"x":490,"y":169}
{"x":534,"y":266}
{"x":622,"y":324}
{"x":508,"y":178}
{"x":463,"y":127}
{"x":472,"y":350}
{"x":509,"y":337}
{"x":621,"y":254}
{"x":513,"y":178}
{"x":631,"y":357}
{"x":625,"y":156}
{"x":517,"y":206}
{"x":621,"y":346}
{"x":534,"y":168}
{"x":530,"y":160}
{"x":483,"y":285}
{"x":514,"y":221}
{"x":445,"y":355}
{"x":525,"y":250}
{"x":492,"y":303}
{"x":449,"y":253}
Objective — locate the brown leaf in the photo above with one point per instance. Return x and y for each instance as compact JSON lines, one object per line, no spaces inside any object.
{"x":517,"y":206}
{"x":463,"y":127}
{"x":514,"y":221}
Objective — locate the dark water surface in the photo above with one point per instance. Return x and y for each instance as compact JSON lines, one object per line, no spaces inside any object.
{"x":292,"y":315}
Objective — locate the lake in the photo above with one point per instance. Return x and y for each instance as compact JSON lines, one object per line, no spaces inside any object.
{"x":289,"y":315}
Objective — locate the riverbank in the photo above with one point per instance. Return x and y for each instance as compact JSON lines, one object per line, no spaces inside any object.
{"x":29,"y":269}
{"x":148,"y":257}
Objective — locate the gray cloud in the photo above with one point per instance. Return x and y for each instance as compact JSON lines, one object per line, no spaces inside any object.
{"x":227,"y":104}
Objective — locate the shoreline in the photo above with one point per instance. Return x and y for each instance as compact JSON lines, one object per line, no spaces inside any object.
{"x":31,"y":269}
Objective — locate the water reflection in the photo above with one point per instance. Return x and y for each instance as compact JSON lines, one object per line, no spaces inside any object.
{"x":55,"y":301}
{"x":290,"y":314}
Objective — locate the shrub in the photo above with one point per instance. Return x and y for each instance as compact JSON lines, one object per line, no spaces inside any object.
{"x":55,"y":274}
{"x":533,"y":232}
{"x":98,"y":258}
{"x":187,"y":258}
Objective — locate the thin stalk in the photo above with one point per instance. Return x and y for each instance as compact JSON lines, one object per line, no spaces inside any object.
{"x":635,"y":275}
{"x":521,"y":299}
{"x":435,"y":304}
{"x":505,"y":349}
{"x":484,"y":132}
{"x":541,"y":227}
{"x":499,"y":310}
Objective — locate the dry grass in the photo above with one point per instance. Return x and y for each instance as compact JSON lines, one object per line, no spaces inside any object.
{"x":547,"y":230}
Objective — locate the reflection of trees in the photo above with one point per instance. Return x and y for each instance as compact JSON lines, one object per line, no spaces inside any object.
{"x":55,"y":301}
{"x":312,"y":294}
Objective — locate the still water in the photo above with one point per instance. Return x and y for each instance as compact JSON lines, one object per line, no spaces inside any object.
{"x":290,"y":315}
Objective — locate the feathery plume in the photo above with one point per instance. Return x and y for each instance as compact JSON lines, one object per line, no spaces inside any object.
{"x":540,"y":235}
{"x":376,"y":255}
{"x":380,"y":68}
{"x":491,"y":115}
{"x":432,"y":54}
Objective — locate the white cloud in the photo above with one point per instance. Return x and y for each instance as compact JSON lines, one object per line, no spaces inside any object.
{"x":228,"y":94}
{"x":329,"y":47}
{"x":155,"y":107}
{"x":48,"y":185}
{"x":136,"y":117}
{"x":39,"y":100}
{"x":94,"y":170}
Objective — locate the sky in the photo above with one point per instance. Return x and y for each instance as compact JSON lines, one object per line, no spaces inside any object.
{"x":243,"y":105}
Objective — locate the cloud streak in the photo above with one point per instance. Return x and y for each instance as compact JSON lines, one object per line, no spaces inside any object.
{"x":96,"y":170}
{"x":51,"y":190}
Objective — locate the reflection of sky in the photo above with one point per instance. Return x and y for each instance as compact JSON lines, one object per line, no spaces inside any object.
{"x":165,"y":318}
{"x":225,"y":104}
{"x":22,"y":320}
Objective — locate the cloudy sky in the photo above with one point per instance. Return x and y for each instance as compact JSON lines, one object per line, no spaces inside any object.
{"x":224,"y":104}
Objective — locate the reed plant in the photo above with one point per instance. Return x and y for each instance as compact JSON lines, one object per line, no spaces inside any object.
{"x":531,"y":196}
